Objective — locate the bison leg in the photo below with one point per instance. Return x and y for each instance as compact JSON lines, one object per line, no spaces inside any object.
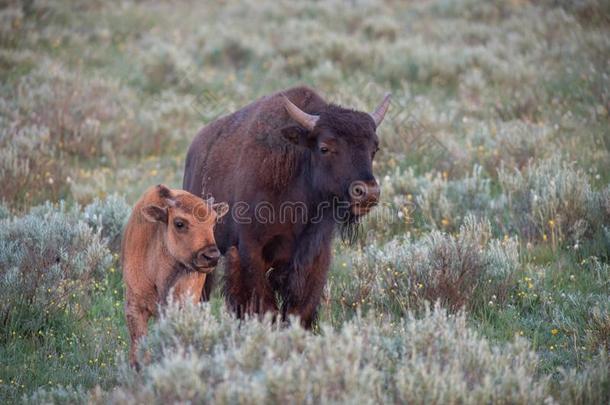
{"x":235,"y":290}
{"x":137,"y":323}
{"x":246,"y":287}
{"x":303,"y":291}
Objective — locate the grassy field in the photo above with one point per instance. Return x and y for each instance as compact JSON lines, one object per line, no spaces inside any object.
{"x":486,"y":279}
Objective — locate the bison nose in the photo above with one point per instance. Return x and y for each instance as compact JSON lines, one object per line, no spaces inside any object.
{"x":373,"y":193}
{"x":207,"y":257}
{"x":365,"y":193}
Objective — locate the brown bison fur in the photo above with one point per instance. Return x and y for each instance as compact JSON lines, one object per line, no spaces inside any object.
{"x":292,"y":147}
{"x":168,"y":244}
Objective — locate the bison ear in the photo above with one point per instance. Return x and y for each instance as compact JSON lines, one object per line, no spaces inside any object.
{"x":295,"y":134}
{"x":164,"y":191}
{"x":221,"y":209}
{"x":154,"y":213}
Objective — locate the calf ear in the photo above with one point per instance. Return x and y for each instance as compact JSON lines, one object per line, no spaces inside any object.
{"x":154,"y":213}
{"x":221,"y":209}
{"x":295,"y":134}
{"x":164,"y":191}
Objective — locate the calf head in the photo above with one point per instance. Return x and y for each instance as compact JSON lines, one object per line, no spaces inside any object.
{"x":187,"y":224}
{"x":343,"y":144}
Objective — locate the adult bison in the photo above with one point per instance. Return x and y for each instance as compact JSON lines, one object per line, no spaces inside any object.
{"x":292,"y":167}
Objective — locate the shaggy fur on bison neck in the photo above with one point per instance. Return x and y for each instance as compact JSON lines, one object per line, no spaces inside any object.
{"x":283,"y":162}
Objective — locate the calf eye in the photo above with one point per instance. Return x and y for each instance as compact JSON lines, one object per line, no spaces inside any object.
{"x":178,"y":223}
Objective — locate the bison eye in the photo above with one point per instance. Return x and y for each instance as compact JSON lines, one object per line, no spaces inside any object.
{"x":324,"y":149}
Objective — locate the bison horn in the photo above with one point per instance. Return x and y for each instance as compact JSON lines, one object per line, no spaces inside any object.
{"x":308,"y":121}
{"x":381,"y":109}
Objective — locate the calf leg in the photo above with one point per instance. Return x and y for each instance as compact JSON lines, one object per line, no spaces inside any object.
{"x":137,"y":324}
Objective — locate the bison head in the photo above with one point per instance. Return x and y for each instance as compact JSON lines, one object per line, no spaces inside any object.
{"x":342,"y":145}
{"x":188,"y":227}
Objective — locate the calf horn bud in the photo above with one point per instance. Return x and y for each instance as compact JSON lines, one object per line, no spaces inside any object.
{"x":381,"y":109}
{"x":166,"y":194}
{"x":308,"y":121}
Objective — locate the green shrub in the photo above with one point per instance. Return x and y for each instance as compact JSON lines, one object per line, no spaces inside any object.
{"x":553,"y":201}
{"x":195,"y":356}
{"x":108,"y":217}
{"x":446,"y":362}
{"x":4,"y":211}
{"x":11,"y":18}
{"x":432,"y":201}
{"x":28,"y":168}
{"x":589,"y":386}
{"x":598,"y":327}
{"x":81,"y":116}
{"x":445,"y":204}
{"x":58,"y":395}
{"x":54,"y":119}
{"x":48,"y":259}
{"x":468,"y":270}
{"x":511,"y":144}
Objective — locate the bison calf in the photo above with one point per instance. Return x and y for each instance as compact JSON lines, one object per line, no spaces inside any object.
{"x":168,"y":243}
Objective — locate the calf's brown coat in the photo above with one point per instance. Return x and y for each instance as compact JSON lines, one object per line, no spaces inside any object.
{"x":168,"y":245}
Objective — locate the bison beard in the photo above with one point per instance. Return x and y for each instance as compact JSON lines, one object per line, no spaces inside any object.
{"x":350,"y":229}
{"x":274,"y":152}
